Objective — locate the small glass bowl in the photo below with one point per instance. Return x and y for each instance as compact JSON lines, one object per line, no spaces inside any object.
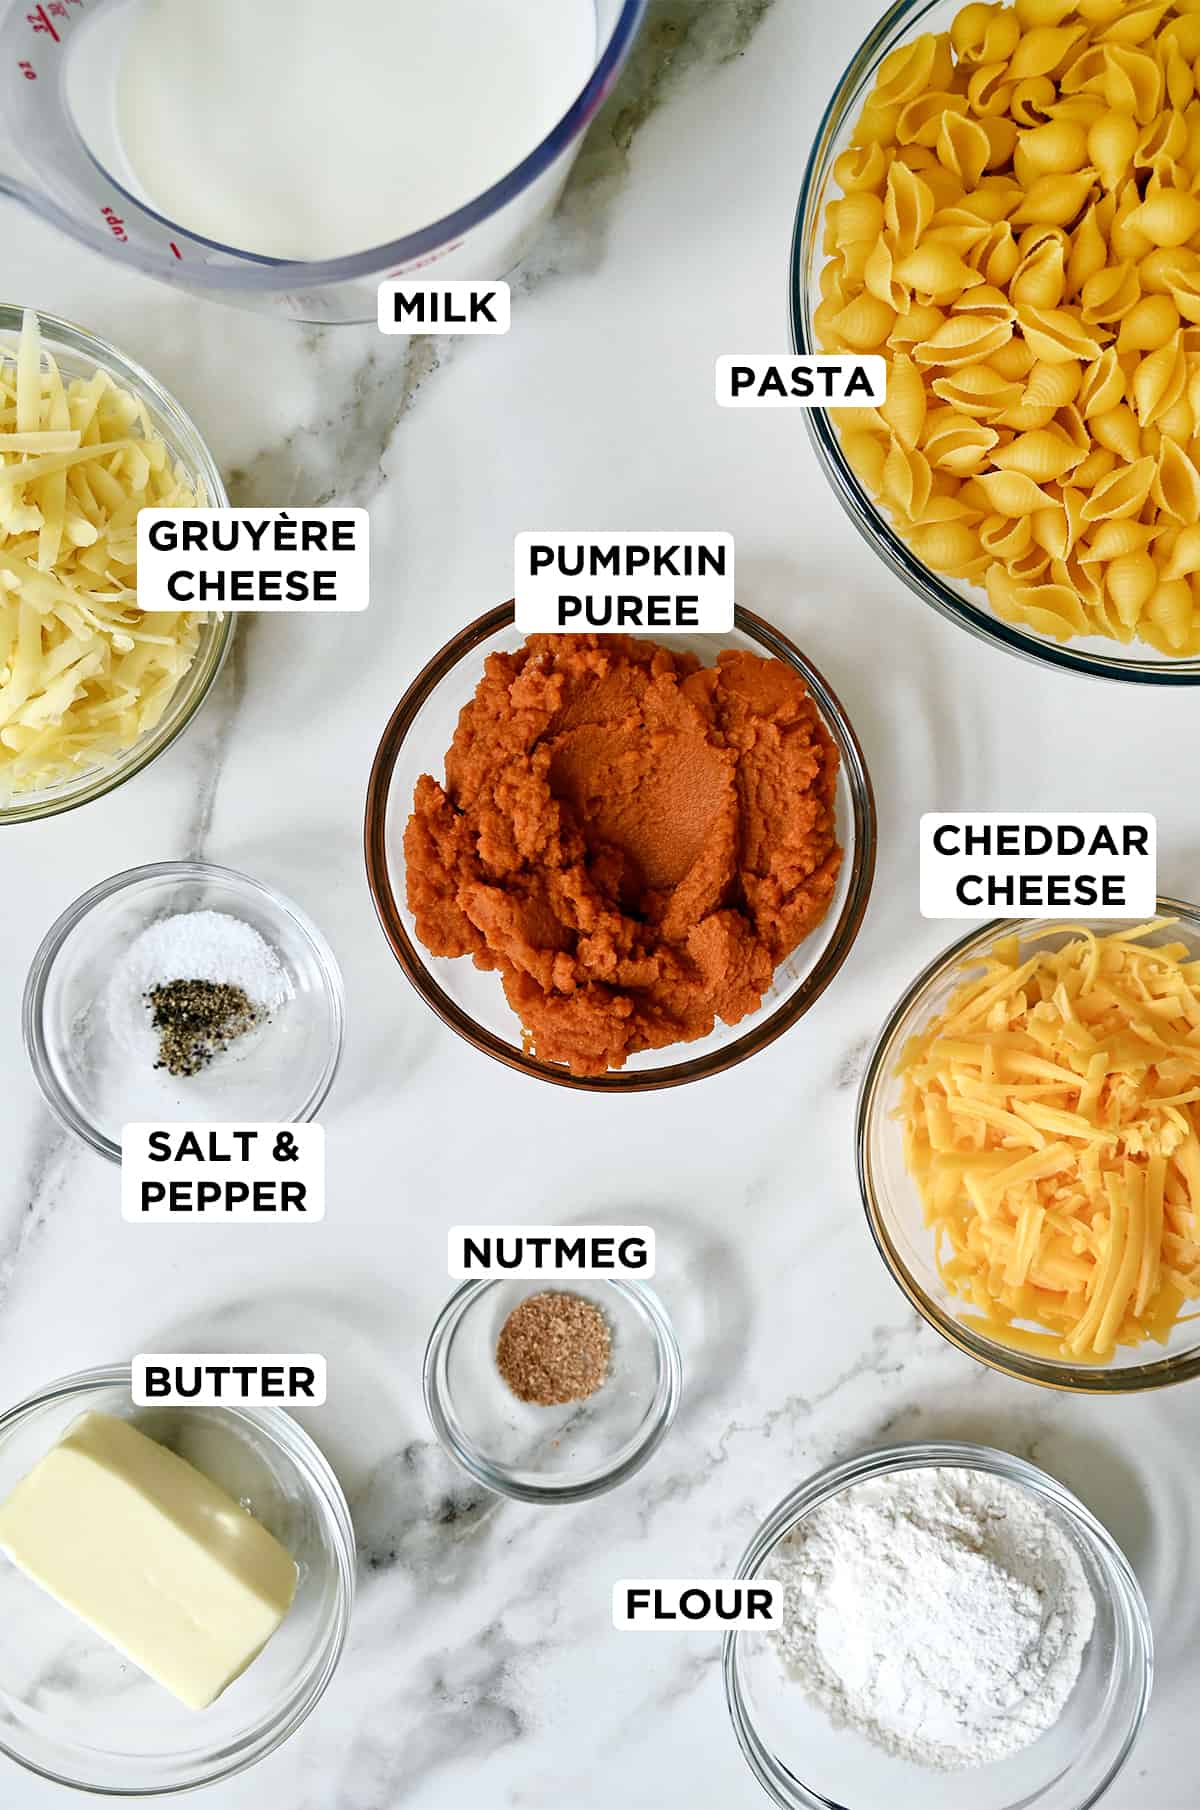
{"x":96,"y":1084}
{"x":893,"y":1203}
{"x":566,"y":1453}
{"x":966,"y":605}
{"x":79,"y":354}
{"x":470,"y":1000}
{"x":75,"y":1710}
{"x":803,"y":1762}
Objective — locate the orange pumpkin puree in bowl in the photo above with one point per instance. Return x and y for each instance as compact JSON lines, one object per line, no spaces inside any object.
{"x":635,"y":841}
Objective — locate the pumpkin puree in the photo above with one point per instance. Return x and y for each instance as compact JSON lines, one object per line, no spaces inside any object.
{"x":633,"y":840}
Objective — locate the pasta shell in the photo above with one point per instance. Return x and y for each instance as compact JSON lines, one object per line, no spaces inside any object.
{"x":919,"y":323}
{"x":907,"y":208}
{"x":904,"y":409}
{"x":1012,"y":493}
{"x":1052,"y":609}
{"x":1007,"y":537}
{"x":1103,"y":385}
{"x":1057,"y":334}
{"x":1121,"y":493}
{"x":1118,"y":429}
{"x":1170,"y":217}
{"x":1113,"y":540}
{"x":1043,"y":49}
{"x":1052,"y":531}
{"x":1055,"y":200}
{"x":957,"y":445}
{"x":1161,"y":144}
{"x":864,"y":323}
{"x":920,"y":121}
{"x":1185,"y":293}
{"x":1043,"y":12}
{"x":866,"y":455}
{"x":1163,"y":266}
{"x":1181,"y":83}
{"x":1042,"y":455}
{"x":936,"y":272}
{"x":1176,"y":488}
{"x":858,"y":216}
{"x":1172,"y":611}
{"x":964,"y":339}
{"x":1040,"y":278}
{"x":1131,"y":581}
{"x":1013,"y":359}
{"x":1133,"y":82}
{"x":913,"y":68}
{"x":1134,"y":24}
{"x":1109,"y":294}
{"x":1054,"y":149}
{"x":1033,"y":100}
{"x":880,"y":280}
{"x":1099,"y":463}
{"x":862,"y":167}
{"x":948,"y":547}
{"x":1149,"y":325}
{"x":1185,"y":555}
{"x":963,"y":147}
{"x":1089,"y":252}
{"x":907,"y":481}
{"x":979,"y":391}
{"x":1111,"y":144}
{"x":989,"y":92}
{"x":1159,"y":381}
{"x":996,"y":256}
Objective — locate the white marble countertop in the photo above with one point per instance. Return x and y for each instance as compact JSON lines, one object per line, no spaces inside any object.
{"x":482,"y":1670}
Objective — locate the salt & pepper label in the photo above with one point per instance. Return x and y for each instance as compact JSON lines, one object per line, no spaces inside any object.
{"x":254,"y":559}
{"x":653,"y":580}
{"x":704,"y":1605}
{"x":244,"y":1174}
{"x":208,"y":1379}
{"x":1039,"y":864}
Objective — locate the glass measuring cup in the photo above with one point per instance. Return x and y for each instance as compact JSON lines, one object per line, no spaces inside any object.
{"x":60,"y":156}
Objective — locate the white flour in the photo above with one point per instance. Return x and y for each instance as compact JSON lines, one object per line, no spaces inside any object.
{"x":941,"y":1613}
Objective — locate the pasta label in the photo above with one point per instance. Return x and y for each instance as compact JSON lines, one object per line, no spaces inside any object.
{"x":1042,"y":864}
{"x":762,"y":381}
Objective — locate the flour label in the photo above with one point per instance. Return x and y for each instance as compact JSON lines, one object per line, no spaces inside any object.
{"x":707,"y":1605}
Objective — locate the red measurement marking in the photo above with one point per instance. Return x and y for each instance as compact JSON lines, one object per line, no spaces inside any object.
{"x":28,"y":71}
{"x":176,"y":249}
{"x":40,"y":22}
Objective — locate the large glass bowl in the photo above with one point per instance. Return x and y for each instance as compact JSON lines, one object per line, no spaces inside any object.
{"x":79,"y":354}
{"x":958,"y":602}
{"x":74,"y":1709}
{"x":804,"y":1763}
{"x":471,"y":1001}
{"x":893,"y":1203}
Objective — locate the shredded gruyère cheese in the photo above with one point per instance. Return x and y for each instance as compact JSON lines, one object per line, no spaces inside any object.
{"x":83,"y":671}
{"x":1051,"y":1121}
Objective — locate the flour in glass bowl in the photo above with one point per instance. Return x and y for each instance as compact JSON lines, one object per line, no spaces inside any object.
{"x":942,"y":1613}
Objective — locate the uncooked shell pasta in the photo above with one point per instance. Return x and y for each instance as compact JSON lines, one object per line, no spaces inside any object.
{"x":1018,"y":233}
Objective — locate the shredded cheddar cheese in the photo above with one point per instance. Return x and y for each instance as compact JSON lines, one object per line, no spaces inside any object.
{"x":83,"y":671}
{"x":1051,"y":1121}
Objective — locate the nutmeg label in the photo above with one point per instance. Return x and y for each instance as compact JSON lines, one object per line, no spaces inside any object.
{"x":533,"y":1252}
{"x":1042,"y":864}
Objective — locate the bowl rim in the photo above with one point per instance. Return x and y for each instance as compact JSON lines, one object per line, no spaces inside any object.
{"x":1020,"y":1366}
{"x":187,"y":444}
{"x":842,"y":1474}
{"x":617,"y":1081}
{"x":287,"y":1433}
{"x":498,"y":1477}
{"x":47,"y":952}
{"x":870,"y":522}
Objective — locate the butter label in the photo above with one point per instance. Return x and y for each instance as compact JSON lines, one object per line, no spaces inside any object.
{"x":646,"y":581}
{"x":451,"y":305}
{"x":762,"y":380}
{"x":254,"y":559}
{"x":247,"y":1174}
{"x":705,"y":1605}
{"x":1040,"y":864}
{"x":206,"y":1379}
{"x":529,"y":1253}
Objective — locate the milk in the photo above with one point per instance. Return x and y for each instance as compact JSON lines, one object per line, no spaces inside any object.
{"x":314,"y":129}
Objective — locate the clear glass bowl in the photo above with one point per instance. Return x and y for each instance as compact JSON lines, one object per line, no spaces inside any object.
{"x":472,"y":1001}
{"x":565,"y":1453}
{"x":92,"y":1079}
{"x":80,"y":354}
{"x":72,"y":1708}
{"x":959,"y":602}
{"x":803,"y":1762}
{"x":893,"y":1203}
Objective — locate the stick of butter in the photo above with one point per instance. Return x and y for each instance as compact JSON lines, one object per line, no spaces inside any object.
{"x":151,"y":1554}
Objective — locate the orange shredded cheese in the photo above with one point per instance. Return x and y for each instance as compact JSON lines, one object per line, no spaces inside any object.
{"x":1051,"y":1120}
